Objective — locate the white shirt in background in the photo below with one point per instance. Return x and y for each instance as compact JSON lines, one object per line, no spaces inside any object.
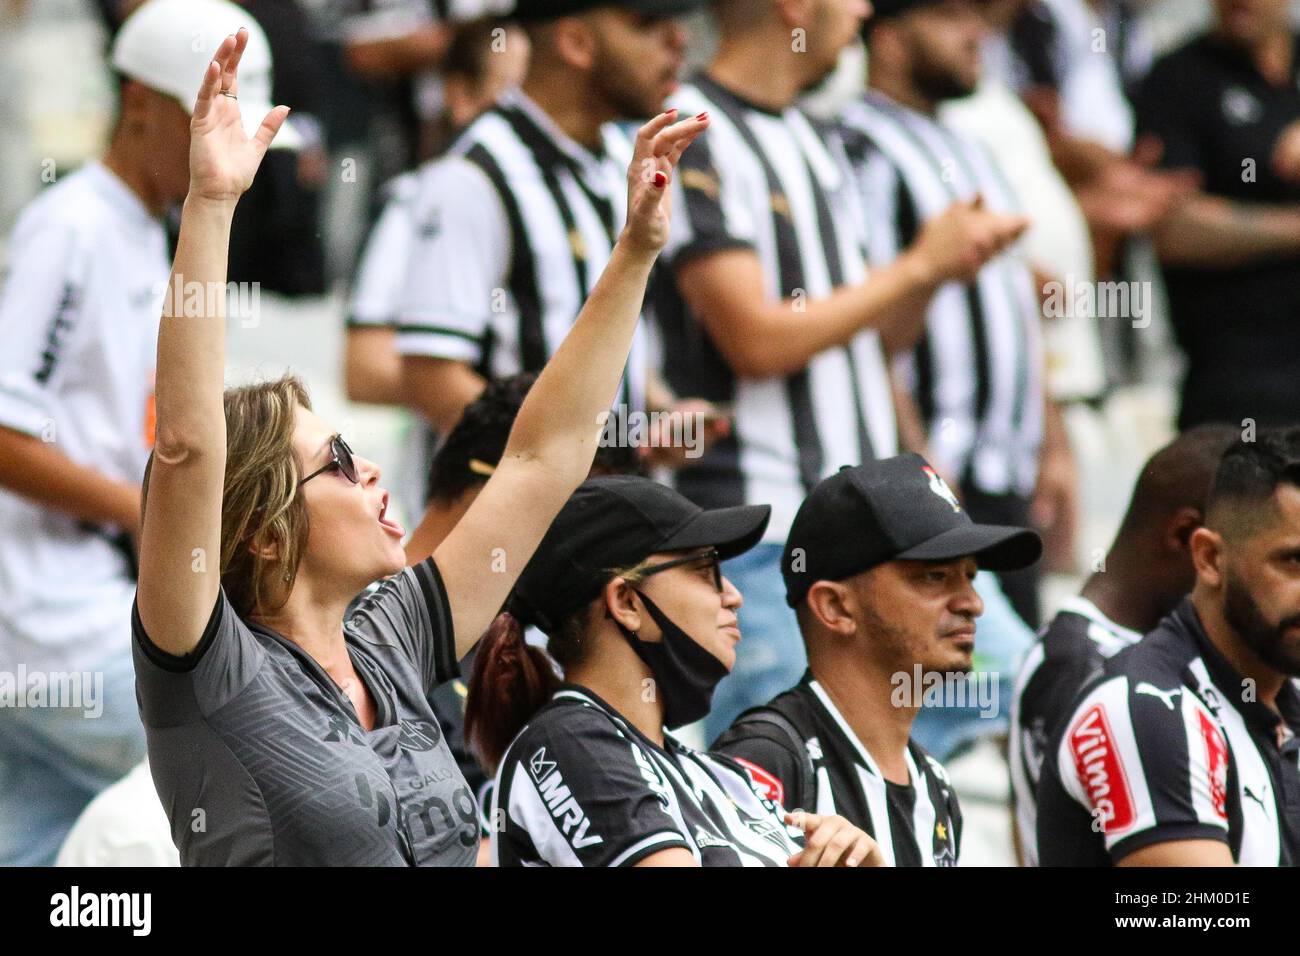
{"x":123,"y":826}
{"x":79,"y":315}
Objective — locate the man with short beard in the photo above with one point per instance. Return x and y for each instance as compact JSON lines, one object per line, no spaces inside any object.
{"x":879,"y":568}
{"x":1183,"y":751}
{"x":769,"y":308}
{"x":515,"y":225}
{"x":976,"y":370}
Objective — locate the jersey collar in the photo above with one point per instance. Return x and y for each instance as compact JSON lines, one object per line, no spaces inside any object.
{"x":1262,"y":720}
{"x":118,"y":194}
{"x":586,"y":160}
{"x":586,"y":695}
{"x":1085,"y":608}
{"x":823,"y":698}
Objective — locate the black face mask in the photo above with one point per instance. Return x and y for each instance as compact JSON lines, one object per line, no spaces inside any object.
{"x":684,"y":671}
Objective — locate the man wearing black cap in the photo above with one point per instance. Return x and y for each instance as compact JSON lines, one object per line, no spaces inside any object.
{"x":516,"y":224}
{"x":977,"y":371}
{"x":627,"y":586}
{"x":879,"y":568}
{"x":770,"y":308}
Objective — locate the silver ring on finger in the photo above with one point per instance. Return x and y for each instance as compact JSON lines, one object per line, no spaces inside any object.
{"x":228,"y":93}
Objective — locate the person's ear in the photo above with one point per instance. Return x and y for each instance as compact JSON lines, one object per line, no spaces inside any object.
{"x":574,"y":42}
{"x":133,"y":100}
{"x":792,"y":13}
{"x":621,"y":605}
{"x":1207,"y":549}
{"x":1178,"y":530}
{"x":264,"y":546}
{"x":461,"y":99}
{"x":834,"y":607}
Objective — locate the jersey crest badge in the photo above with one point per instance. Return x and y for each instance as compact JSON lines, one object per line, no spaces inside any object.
{"x":940,"y":488}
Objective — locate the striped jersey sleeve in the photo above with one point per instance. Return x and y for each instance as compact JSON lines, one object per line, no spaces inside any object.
{"x":377,"y":288}
{"x":573,"y":790}
{"x":459,"y":258}
{"x":711,"y":211}
{"x":1054,"y":671}
{"x":775,"y":769}
{"x":1147,"y":761}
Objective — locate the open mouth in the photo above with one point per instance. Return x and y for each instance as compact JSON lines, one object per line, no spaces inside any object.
{"x":392,"y":527}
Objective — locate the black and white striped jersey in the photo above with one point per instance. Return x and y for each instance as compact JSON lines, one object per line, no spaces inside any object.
{"x":1169,"y":743}
{"x":377,"y":287}
{"x":580,"y":786}
{"x":375,"y":302}
{"x":513,"y":228}
{"x":1069,"y":651}
{"x":802,"y":752}
{"x":977,"y":372}
{"x":769,"y":182}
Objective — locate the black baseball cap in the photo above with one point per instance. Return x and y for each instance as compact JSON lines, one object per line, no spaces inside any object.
{"x":617,"y":521}
{"x":534,"y":11}
{"x":887,"y":510}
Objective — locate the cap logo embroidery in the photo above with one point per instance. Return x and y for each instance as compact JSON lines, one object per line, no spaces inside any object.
{"x":940,"y":488}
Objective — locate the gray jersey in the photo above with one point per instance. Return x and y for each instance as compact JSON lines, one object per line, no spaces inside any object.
{"x":259,"y":757}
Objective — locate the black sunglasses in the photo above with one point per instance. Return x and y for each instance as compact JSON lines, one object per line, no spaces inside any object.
{"x":700,"y":557}
{"x":340,"y":458}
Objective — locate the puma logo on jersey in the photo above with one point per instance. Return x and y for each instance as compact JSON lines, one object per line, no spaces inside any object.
{"x":559,"y":800}
{"x":1256,"y":797}
{"x":1151,"y":690}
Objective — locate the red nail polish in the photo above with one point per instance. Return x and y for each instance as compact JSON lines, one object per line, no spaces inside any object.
{"x":703,"y":116}
{"x":660,"y":180}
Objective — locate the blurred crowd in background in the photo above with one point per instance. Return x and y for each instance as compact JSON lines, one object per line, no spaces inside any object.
{"x":1122,"y":197}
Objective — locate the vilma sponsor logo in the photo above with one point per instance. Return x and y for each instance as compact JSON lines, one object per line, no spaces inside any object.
{"x":560,"y":801}
{"x":1097,"y":766}
{"x":946,"y":689}
{"x":74,"y":690}
{"x":625,"y":428}
{"x":1216,"y":763}
{"x":77,"y":909}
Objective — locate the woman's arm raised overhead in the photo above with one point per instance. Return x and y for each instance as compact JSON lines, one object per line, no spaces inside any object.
{"x":180,"y":549}
{"x":555,"y":436}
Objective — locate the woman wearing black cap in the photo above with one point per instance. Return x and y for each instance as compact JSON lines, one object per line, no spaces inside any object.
{"x":628,"y":588}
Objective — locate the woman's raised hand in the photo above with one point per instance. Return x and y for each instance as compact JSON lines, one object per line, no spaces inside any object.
{"x":659,"y":145}
{"x":223,"y":160}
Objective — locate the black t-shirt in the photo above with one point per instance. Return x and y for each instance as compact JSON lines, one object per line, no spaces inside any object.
{"x":580,"y":786}
{"x":1214,"y":113}
{"x":1167,"y":744}
{"x":824,"y":768}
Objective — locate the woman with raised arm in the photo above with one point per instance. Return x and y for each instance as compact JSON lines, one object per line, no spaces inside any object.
{"x":278,"y":731}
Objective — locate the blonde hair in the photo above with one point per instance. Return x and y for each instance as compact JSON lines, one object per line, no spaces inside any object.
{"x":260,"y":503}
